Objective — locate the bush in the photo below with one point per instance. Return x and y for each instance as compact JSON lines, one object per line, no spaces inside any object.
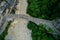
{"x":45,"y":9}
{"x":40,"y":33}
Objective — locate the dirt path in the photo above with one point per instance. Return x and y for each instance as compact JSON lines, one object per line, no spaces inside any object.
{"x":18,"y":29}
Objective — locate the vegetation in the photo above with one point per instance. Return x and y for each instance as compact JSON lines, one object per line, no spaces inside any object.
{"x":39,"y":32}
{"x":45,"y":9}
{"x":11,"y":10}
{"x":5,"y":32}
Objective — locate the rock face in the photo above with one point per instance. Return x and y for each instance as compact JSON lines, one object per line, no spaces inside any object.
{"x":57,"y":24}
{"x":18,"y":29}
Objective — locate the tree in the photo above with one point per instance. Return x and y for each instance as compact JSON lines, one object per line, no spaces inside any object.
{"x":39,"y":32}
{"x":45,"y":9}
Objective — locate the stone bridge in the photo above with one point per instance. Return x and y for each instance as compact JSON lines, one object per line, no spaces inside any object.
{"x":38,"y":21}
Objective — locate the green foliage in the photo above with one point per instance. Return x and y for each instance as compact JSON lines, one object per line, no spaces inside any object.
{"x":5,"y":32}
{"x":45,"y":9}
{"x":13,"y":10}
{"x":50,"y":30}
{"x":39,"y":32}
{"x":32,"y":24}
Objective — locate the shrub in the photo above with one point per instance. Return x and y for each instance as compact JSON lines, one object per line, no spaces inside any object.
{"x":45,"y":9}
